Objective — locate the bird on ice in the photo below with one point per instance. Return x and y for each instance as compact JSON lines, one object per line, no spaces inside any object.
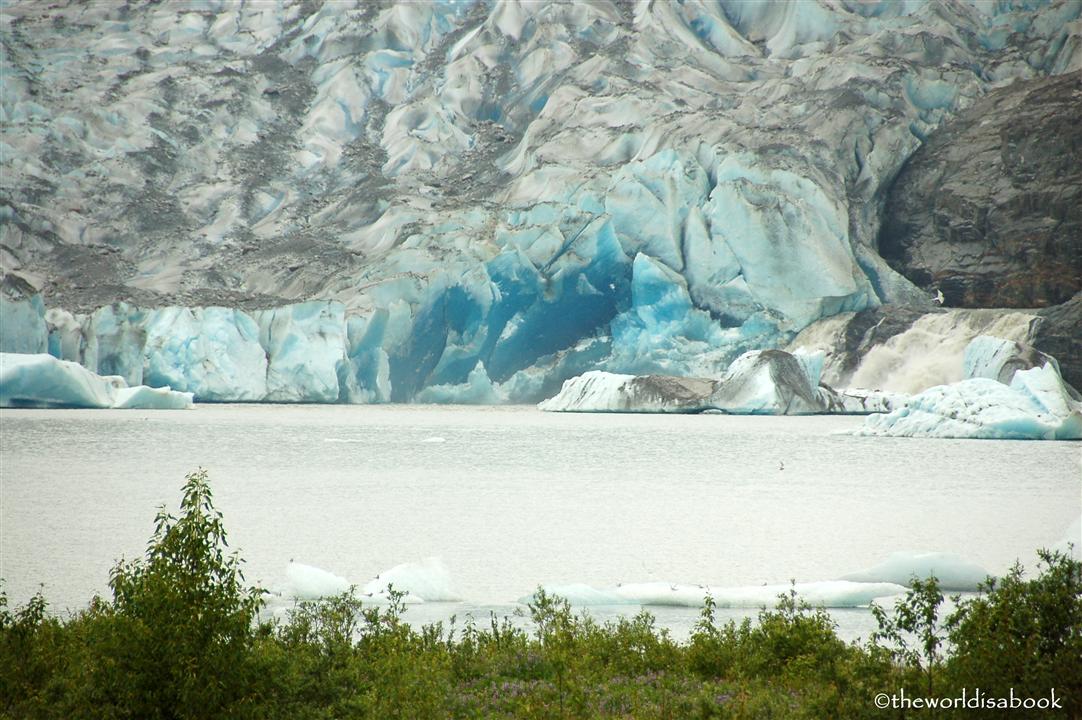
{"x":938,"y":296}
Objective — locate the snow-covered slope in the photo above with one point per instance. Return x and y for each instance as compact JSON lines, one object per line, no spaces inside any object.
{"x":371,"y":201}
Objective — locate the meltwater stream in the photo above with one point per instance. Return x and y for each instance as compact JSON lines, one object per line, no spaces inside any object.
{"x":509,"y":498}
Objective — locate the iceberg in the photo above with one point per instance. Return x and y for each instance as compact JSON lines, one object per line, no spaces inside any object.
{"x":768,"y":382}
{"x":1037,"y":405}
{"x":828,"y":593}
{"x":952,"y":571}
{"x":307,"y":582}
{"x":425,"y":581}
{"x":759,"y":382}
{"x":40,"y":380}
{"x":598,"y":391}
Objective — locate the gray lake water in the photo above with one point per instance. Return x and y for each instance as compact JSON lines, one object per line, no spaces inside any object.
{"x":513,"y":497}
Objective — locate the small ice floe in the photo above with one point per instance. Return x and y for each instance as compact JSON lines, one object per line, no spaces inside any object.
{"x":829,"y":593}
{"x":425,"y":581}
{"x":952,"y":571}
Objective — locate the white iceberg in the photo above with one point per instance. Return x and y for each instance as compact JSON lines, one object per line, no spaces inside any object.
{"x":952,"y":571}
{"x":40,"y":380}
{"x":1035,"y":406}
{"x":769,"y":382}
{"x":307,"y":582}
{"x":425,"y":581}
{"x":597,"y":391}
{"x":828,"y":593}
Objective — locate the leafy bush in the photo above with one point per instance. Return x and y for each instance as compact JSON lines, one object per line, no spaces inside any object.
{"x":1024,"y":635}
{"x":182,"y":638}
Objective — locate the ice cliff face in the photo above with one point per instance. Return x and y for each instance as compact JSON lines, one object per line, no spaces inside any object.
{"x":371,"y":201}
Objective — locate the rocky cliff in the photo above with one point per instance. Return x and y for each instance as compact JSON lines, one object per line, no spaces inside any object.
{"x":989,"y":210}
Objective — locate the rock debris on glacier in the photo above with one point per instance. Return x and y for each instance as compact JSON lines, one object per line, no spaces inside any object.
{"x":468,"y":201}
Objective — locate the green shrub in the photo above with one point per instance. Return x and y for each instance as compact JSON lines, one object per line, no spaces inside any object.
{"x":1024,"y":635}
{"x":176,"y":640}
{"x":181,"y":638}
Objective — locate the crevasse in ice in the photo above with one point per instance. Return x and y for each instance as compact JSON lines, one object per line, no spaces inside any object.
{"x":473,"y":202}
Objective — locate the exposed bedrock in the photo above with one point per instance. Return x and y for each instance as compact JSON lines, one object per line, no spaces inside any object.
{"x":989,"y":209}
{"x":1060,"y":334}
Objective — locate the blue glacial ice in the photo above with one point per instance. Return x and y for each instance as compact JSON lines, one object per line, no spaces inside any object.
{"x":40,"y":380}
{"x":474,"y":202}
{"x":1031,"y":403}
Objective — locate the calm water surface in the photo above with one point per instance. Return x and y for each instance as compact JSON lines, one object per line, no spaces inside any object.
{"x":513,"y":497}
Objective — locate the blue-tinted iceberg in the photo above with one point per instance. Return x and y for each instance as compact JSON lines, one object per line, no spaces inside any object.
{"x":1037,"y":405}
{"x":40,"y":380}
{"x":952,"y":571}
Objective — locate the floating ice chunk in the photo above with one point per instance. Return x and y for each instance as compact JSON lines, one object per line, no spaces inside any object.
{"x":307,"y":582}
{"x":1036,"y":406}
{"x":426,"y":581}
{"x":767,"y":382}
{"x":761,"y":382}
{"x":859,"y":401}
{"x":41,"y":380}
{"x":434,"y":439}
{"x":147,"y":398}
{"x":580,"y":594}
{"x":952,"y":571}
{"x":598,"y":391}
{"x":829,"y":593}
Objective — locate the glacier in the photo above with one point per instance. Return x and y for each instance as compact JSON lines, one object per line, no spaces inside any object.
{"x":477,"y":201}
{"x":40,"y":380}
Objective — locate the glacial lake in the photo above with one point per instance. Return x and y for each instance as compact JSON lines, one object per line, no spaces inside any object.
{"x":510,"y":497}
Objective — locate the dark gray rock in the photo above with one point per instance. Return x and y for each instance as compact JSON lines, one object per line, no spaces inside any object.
{"x":989,"y":209}
{"x":1059,"y":334}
